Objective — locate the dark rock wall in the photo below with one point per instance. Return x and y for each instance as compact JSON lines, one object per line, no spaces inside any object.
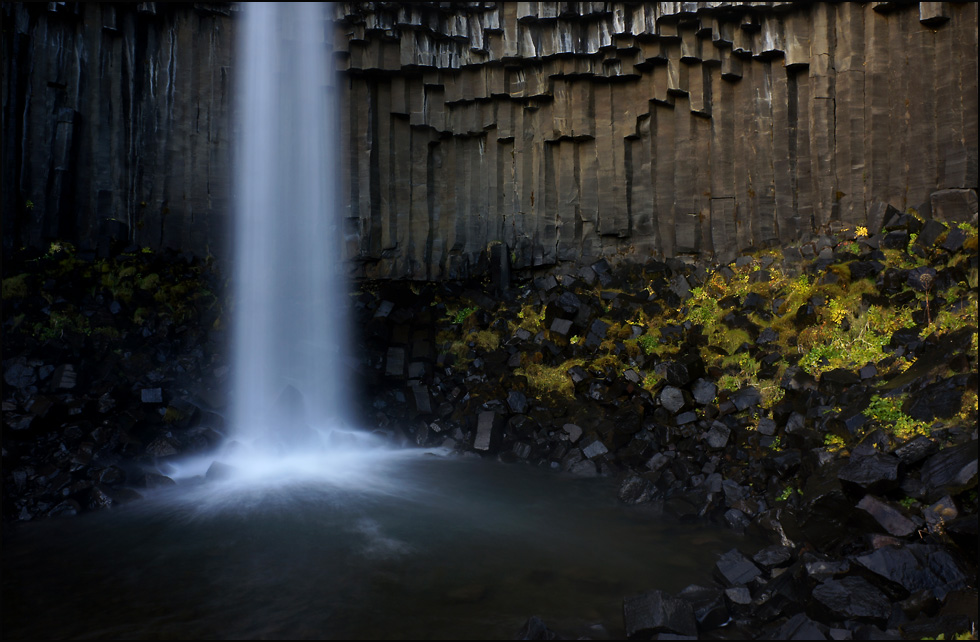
{"x":565,"y":130}
{"x":570,"y":130}
{"x":116,"y":123}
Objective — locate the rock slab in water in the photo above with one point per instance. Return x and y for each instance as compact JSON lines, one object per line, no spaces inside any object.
{"x":656,"y":612}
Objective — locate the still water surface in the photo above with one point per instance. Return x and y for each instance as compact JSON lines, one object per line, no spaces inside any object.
{"x":434,"y":548}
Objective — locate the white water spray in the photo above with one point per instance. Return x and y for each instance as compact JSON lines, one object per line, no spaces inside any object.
{"x":290,"y":299}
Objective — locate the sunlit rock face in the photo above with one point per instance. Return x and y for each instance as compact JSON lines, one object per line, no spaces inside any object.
{"x":566,"y":131}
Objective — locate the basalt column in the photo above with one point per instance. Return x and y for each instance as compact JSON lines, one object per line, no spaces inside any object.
{"x":569,"y":131}
{"x":564,"y":131}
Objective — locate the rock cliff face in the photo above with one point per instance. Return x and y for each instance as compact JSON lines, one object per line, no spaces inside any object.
{"x":564,"y":131}
{"x":117,"y":123}
{"x":569,"y":130}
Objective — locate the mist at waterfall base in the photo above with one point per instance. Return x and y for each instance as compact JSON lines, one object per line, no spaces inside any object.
{"x":316,"y":529}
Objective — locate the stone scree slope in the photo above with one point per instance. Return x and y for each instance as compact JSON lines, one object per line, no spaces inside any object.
{"x":566,"y":131}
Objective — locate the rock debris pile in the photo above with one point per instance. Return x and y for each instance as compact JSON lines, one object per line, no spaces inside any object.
{"x":822,"y":396}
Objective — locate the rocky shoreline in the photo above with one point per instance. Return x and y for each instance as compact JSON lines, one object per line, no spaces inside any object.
{"x":823,"y":395}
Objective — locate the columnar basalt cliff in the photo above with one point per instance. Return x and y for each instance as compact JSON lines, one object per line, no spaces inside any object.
{"x":563,"y":131}
{"x":117,"y":124}
{"x":569,"y":130}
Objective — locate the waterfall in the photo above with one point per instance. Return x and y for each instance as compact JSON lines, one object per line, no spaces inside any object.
{"x":290,"y":299}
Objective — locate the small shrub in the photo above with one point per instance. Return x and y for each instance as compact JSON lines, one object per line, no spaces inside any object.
{"x":888,"y":412}
{"x":833,"y":443}
{"x":788,"y":492}
{"x":461,"y":316}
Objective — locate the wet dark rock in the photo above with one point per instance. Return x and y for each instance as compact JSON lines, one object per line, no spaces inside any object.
{"x":840,"y":377}
{"x":736,"y":519}
{"x":914,"y":567}
{"x":954,"y":240}
{"x":806,"y":315}
{"x":680,"y":286}
{"x":937,"y":628}
{"x":517,"y":401}
{"x":895,"y":240}
{"x":522,"y":450}
{"x":746,"y":397}
{"x":704,"y":392}
{"x":656,"y":612}
{"x":963,"y":531}
{"x":876,"y":474}
{"x":64,"y":377}
{"x":420,"y":395}
{"x":97,"y":499}
{"x":582,"y":468}
{"x":796,"y":379}
{"x":636,"y":490}
{"x":773,"y":556}
{"x":163,"y":447}
{"x":592,"y":447}
{"x":735,"y":569}
{"x":684,"y":369}
{"x":889,"y":518}
{"x":488,"y":431}
{"x":739,"y":600}
{"x":916,"y":450}
{"x":17,"y":421}
{"x":717,"y":436}
{"x":865,"y":269}
{"x":19,"y":373}
{"x":739,"y":321}
{"x":851,"y":597}
{"x":561,"y":326}
{"x":151,"y":395}
{"x":766,"y":427}
{"x":573,"y":432}
{"x":820,"y":569}
{"x":906,"y":338}
{"x":767,"y":336}
{"x":950,"y":471}
{"x":109,"y":476}
{"x":65,"y":508}
{"x":931,"y":231}
{"x":672,"y":398}
{"x":709,"y":606}
{"x":935,"y":401}
{"x":785,"y":462}
{"x":800,"y":627}
{"x":597,"y":334}
{"x":685,"y":418}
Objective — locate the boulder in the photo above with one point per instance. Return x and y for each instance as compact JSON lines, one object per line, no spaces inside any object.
{"x":950,"y":471}
{"x":889,"y":518}
{"x":877,"y":473}
{"x":852,"y":597}
{"x":735,"y":569}
{"x":656,"y":612}
{"x":914,"y":567}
